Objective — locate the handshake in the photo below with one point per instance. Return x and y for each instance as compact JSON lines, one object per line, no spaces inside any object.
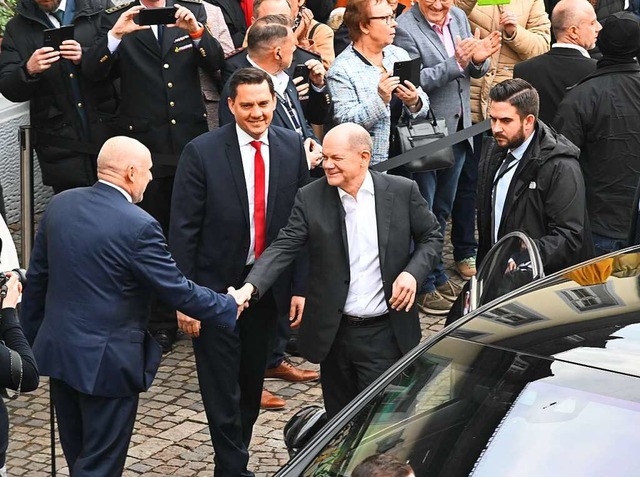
{"x":241,"y":296}
{"x":191,"y":326}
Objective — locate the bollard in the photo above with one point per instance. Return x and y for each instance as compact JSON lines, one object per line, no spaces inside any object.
{"x":26,"y":192}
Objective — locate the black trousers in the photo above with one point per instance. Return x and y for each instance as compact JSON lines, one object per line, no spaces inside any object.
{"x":358,"y":356}
{"x":231,"y":365}
{"x":157,"y":202}
{"x":94,"y":431}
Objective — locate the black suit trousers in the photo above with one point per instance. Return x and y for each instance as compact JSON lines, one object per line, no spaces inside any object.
{"x":94,"y":431}
{"x":231,"y":365}
{"x":358,"y":356}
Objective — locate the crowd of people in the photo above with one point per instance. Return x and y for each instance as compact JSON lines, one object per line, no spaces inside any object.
{"x":213,"y":175}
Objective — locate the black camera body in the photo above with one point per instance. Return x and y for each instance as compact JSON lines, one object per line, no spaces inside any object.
{"x":4,"y":278}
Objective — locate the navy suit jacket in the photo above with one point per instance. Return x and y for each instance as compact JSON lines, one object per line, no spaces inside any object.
{"x":209,"y":234}
{"x":96,"y":261}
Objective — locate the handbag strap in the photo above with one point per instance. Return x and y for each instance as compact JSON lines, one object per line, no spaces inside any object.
{"x":435,"y":146}
{"x":434,"y":121}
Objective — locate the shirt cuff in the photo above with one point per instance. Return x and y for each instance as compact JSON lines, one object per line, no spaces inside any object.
{"x":112,"y":42}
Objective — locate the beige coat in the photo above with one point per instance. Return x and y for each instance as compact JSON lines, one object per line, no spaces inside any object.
{"x":532,"y":38}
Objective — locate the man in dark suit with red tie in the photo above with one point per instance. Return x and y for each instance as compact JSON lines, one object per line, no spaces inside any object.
{"x":234,"y":190}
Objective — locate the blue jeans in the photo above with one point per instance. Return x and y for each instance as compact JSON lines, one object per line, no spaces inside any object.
{"x":604,"y":245}
{"x":439,"y":190}
{"x":463,"y":215}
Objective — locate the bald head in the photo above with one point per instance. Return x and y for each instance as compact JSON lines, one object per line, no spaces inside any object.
{"x":353,"y":136}
{"x":125,"y":162}
{"x":575,"y":22}
{"x":262,"y":8}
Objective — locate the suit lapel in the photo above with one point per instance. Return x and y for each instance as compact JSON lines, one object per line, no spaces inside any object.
{"x":341,"y":222}
{"x":274,"y":174}
{"x":431,"y":35}
{"x":149,"y":40}
{"x":384,"y":209}
{"x":170,"y":34}
{"x":237,"y":171}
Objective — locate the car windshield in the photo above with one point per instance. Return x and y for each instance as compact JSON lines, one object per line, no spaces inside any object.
{"x":467,"y":409}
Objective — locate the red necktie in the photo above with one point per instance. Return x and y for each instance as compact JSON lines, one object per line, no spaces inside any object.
{"x":259,"y":205}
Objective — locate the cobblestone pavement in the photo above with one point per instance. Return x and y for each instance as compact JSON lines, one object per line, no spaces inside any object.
{"x":171,"y":436}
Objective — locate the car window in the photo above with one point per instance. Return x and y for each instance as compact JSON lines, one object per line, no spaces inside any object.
{"x":463,"y":409}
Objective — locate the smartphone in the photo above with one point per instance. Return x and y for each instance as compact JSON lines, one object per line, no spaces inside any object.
{"x":157,"y":16}
{"x":301,"y":70}
{"x":54,"y":37}
{"x":408,"y":70}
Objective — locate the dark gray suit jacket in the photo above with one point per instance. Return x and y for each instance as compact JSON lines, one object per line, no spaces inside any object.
{"x":317,"y":220}
{"x":440,"y":76}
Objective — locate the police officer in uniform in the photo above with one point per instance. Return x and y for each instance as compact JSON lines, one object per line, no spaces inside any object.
{"x":162,"y":103}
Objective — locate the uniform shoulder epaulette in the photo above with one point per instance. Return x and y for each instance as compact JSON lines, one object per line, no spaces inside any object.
{"x":234,"y":52}
{"x":117,"y":8}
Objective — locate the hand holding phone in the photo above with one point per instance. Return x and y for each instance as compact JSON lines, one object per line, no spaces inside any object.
{"x":157,"y":16}
{"x":301,"y":70}
{"x":54,"y":37}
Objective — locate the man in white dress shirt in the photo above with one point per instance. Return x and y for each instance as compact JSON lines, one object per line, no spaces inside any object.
{"x":370,"y":238}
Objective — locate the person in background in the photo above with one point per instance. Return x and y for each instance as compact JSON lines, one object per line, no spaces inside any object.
{"x":360,"y":80}
{"x":576,"y":28}
{"x":382,"y":465}
{"x":63,"y":102}
{"x":14,"y":345}
{"x":601,"y":116}
{"x":427,"y":31}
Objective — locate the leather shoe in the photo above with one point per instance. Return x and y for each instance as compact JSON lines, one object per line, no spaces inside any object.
{"x":269,"y":401}
{"x":164,"y":339}
{"x":290,"y":373}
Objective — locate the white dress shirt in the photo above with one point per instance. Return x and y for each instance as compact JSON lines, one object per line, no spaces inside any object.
{"x":366,"y":295}
{"x":248,"y":153}
{"x":501,"y":185}
{"x":118,"y":188}
{"x":582,"y":51}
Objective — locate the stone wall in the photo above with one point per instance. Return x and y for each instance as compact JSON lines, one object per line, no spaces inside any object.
{"x":12,"y":116}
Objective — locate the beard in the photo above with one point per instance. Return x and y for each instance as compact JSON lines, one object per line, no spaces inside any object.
{"x":48,"y":6}
{"x":513,"y":142}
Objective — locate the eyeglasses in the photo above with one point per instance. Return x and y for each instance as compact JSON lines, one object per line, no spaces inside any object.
{"x":431,"y":2}
{"x":388,"y":19}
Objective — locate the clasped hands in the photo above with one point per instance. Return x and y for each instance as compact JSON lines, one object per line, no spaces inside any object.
{"x":475,"y":49}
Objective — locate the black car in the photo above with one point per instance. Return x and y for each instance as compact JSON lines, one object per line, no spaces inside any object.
{"x":540,"y":378}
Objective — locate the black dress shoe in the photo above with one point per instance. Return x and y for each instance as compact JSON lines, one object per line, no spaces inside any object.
{"x":164,"y":339}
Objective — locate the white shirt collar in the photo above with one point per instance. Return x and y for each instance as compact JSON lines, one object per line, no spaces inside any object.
{"x":118,"y":188}
{"x":280,"y":80}
{"x":63,"y":5}
{"x":367,"y":186}
{"x":519,"y":151}
{"x":244,"y":138}
{"x":573,"y":47}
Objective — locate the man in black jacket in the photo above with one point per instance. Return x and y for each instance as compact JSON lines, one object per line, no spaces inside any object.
{"x":576,"y":28}
{"x":530,"y":180}
{"x":64,"y":103}
{"x":601,"y":116}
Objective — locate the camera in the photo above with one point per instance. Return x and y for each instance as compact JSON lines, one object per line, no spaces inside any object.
{"x":4,"y":278}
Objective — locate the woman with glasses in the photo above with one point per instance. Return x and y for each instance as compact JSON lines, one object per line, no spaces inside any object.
{"x":360,"y":80}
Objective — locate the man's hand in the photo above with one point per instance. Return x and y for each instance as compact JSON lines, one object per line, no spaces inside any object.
{"x":241,"y":296}
{"x":302,"y":87}
{"x":188,"y":325}
{"x":403,"y":292}
{"x":509,"y":22}
{"x":313,"y":151}
{"x":41,"y":60}
{"x":317,"y":72}
{"x":306,"y":16}
{"x":486,"y":47}
{"x":71,"y":50}
{"x":186,"y":20}
{"x":386,"y":86}
{"x":126,"y":25}
{"x":295,"y":311}
{"x":465,"y":50}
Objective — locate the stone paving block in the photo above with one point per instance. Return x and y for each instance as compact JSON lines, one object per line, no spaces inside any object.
{"x":148,"y":448}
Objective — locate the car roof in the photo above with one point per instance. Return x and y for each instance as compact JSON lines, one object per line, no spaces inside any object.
{"x":587,"y":315}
